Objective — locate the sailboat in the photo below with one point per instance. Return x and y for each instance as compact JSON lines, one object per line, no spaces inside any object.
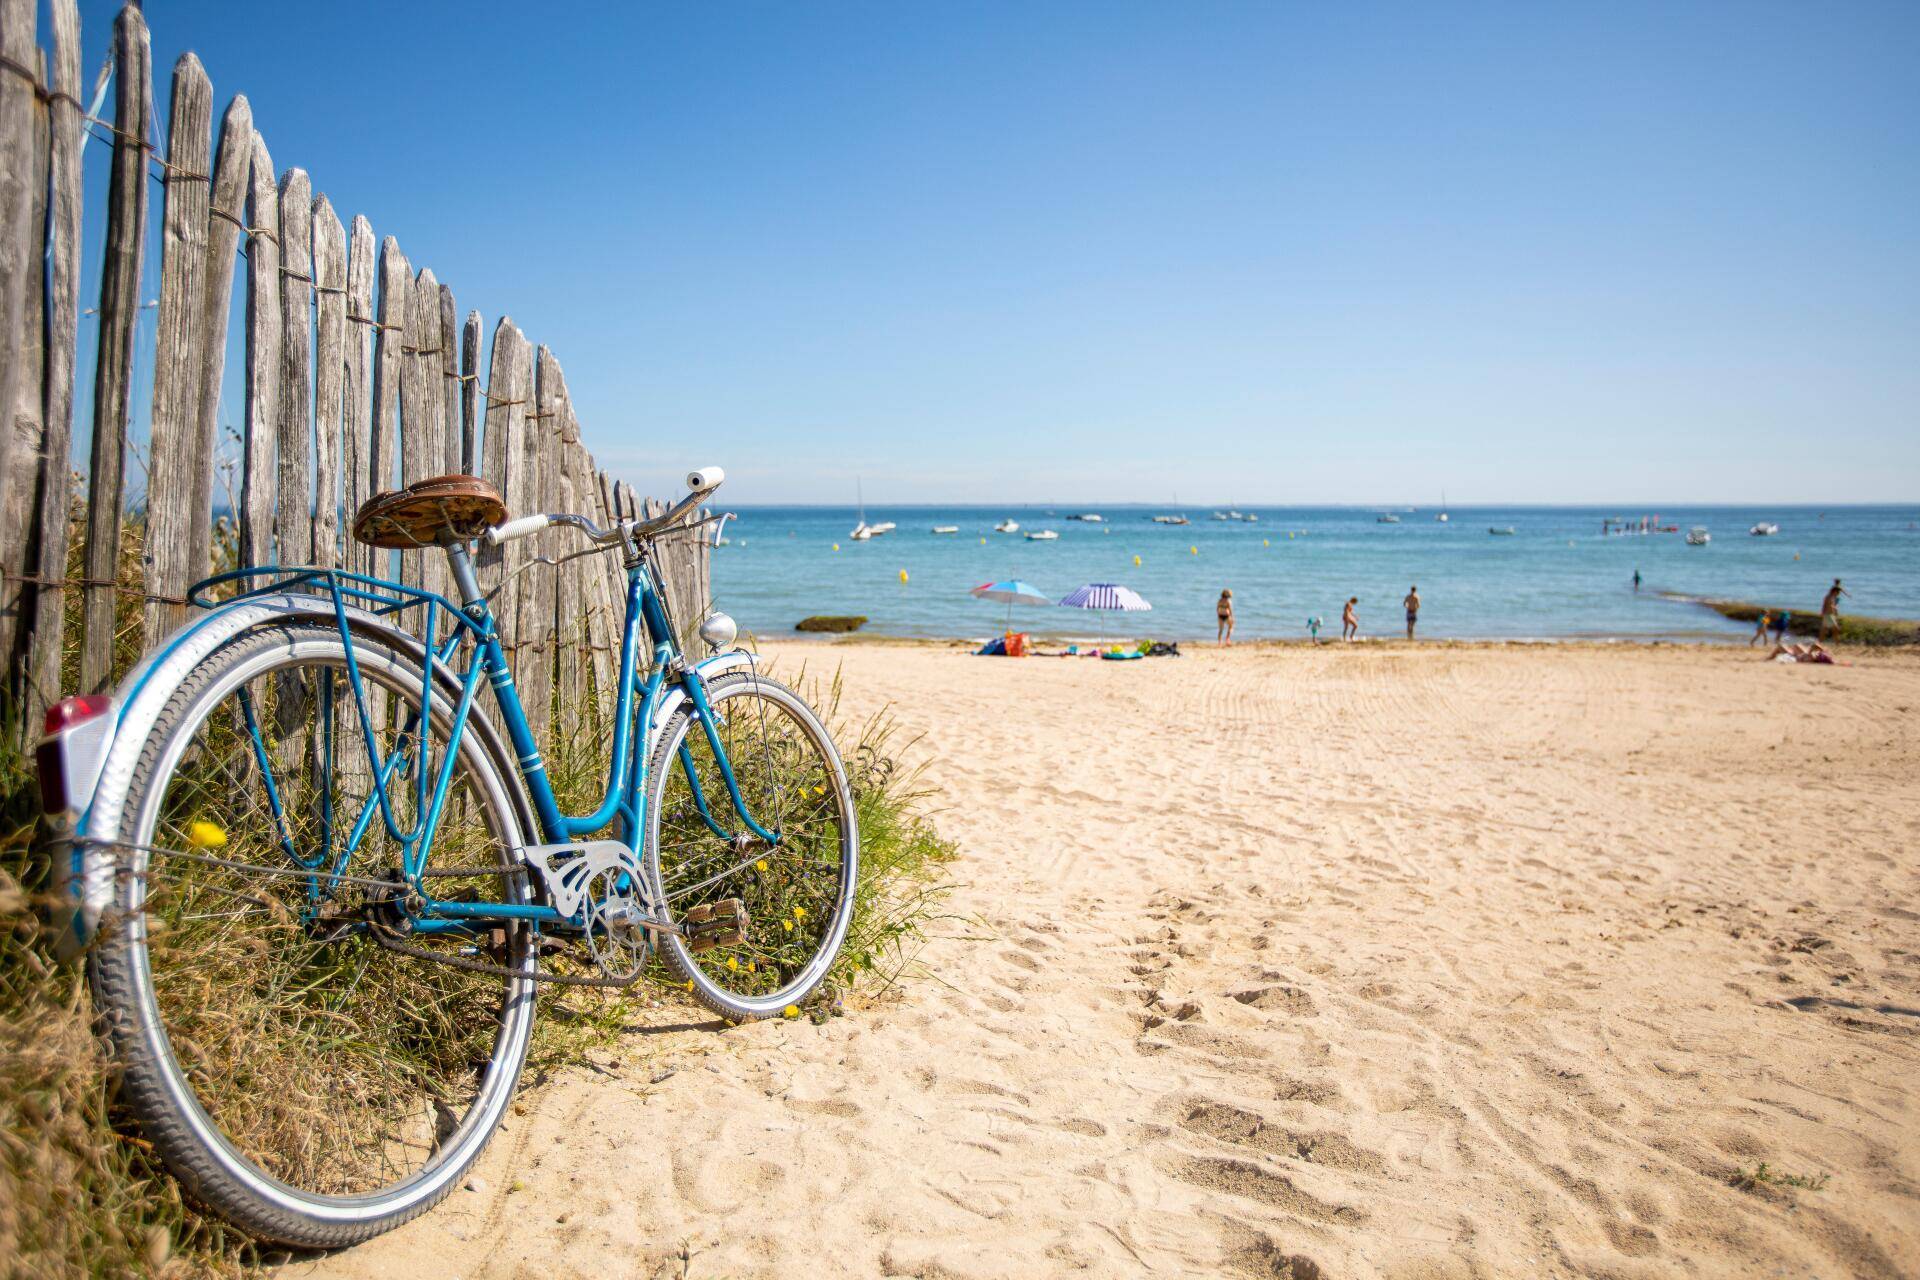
{"x":861,"y":529}
{"x":1442,"y":517}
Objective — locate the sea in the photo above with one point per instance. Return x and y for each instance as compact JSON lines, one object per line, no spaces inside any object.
{"x":1559,"y":575}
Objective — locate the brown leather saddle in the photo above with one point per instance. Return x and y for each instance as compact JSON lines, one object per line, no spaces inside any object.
{"x":430,"y":512}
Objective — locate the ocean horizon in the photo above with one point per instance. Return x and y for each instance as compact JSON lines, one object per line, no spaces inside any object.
{"x":1557,"y":576}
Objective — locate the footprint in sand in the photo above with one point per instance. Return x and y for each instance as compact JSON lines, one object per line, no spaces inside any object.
{"x":1238,"y":1127}
{"x":1256,"y":1182}
{"x":1286,"y":999}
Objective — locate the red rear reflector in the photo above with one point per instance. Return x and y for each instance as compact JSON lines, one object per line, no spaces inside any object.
{"x":68,"y":712}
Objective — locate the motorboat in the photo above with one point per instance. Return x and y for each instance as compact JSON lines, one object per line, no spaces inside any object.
{"x":1008,"y":525}
{"x":1765,"y":529}
{"x":1698,"y":536}
{"x":1042,"y":535}
{"x":946,"y":528}
{"x":1170,"y":520}
{"x":1089,"y":517}
{"x":885,"y":526}
{"x":1251,"y":518}
{"x":1498,"y":531}
{"x":1386,"y":517}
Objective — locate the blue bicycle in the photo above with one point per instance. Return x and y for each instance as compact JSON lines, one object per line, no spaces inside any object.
{"x":319,"y":886}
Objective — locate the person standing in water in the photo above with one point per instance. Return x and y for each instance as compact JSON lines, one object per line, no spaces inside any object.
{"x":1830,"y":609}
{"x":1224,"y":612}
{"x":1349,"y":620}
{"x":1636,"y":579}
{"x":1412,"y":603}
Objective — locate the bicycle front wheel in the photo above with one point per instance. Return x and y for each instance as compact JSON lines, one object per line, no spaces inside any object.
{"x":795,"y":875}
{"x":300,"y":1075}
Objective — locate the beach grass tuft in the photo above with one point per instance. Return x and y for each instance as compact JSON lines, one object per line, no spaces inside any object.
{"x":1765,"y":1175}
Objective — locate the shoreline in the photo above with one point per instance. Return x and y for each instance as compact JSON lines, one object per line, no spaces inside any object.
{"x":1683,"y":640}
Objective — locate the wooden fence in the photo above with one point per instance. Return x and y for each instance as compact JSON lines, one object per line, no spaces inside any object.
{"x":360,"y":375}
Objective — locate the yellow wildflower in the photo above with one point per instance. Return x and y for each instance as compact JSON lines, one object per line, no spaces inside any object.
{"x":206,"y":835}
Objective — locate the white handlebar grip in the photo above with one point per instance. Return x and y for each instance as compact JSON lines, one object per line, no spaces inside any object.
{"x":704,"y":479}
{"x":517,"y":529}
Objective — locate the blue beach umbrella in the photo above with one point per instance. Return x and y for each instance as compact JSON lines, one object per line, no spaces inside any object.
{"x":1105,"y":597}
{"x":1010,"y":593}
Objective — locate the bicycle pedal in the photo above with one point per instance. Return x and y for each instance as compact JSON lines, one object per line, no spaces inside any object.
{"x":715,"y":924}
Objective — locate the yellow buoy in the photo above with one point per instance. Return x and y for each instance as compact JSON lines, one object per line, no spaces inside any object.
{"x":836,"y":546}
{"x":1193,"y":551}
{"x":983,"y":542}
{"x":1136,"y":562}
{"x":903,"y":575}
{"x":1265,"y":543}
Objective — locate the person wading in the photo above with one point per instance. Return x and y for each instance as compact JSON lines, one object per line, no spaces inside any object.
{"x":1412,"y":602}
{"x":1349,"y":620}
{"x":1224,"y":612}
{"x":1830,"y":609}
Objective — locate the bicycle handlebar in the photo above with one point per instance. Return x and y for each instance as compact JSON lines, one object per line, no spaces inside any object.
{"x":699,"y":484}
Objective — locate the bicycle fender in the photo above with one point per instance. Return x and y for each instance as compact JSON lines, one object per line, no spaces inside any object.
{"x":670,"y":701}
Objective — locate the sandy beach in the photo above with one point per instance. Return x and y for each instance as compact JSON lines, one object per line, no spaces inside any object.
{"x":1340,"y":962}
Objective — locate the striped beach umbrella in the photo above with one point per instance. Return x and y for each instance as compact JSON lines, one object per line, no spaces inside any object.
{"x":1104,"y":598}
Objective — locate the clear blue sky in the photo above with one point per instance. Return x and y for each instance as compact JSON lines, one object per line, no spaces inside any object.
{"x":1273,"y":253}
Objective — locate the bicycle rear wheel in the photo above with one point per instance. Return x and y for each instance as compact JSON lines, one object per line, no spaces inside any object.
{"x":797,"y":890}
{"x":307,"y":1083}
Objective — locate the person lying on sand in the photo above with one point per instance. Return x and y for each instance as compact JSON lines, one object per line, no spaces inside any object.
{"x":1811,"y":651}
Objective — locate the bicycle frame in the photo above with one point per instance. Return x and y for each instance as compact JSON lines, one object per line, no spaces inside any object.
{"x":666,"y":678}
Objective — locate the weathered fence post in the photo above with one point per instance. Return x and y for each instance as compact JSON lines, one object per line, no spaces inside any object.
{"x":261,"y":441}
{"x":501,"y":450}
{"x":389,"y":342}
{"x":44,"y":609}
{"x":119,"y":309}
{"x":535,"y":622}
{"x":24,"y":423}
{"x":293,"y":517}
{"x":423,"y":411}
{"x":19,"y":268}
{"x":459,"y":455}
{"x":357,"y":463}
{"x":470,"y":394}
{"x":329,"y":379}
{"x":177,"y":454}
